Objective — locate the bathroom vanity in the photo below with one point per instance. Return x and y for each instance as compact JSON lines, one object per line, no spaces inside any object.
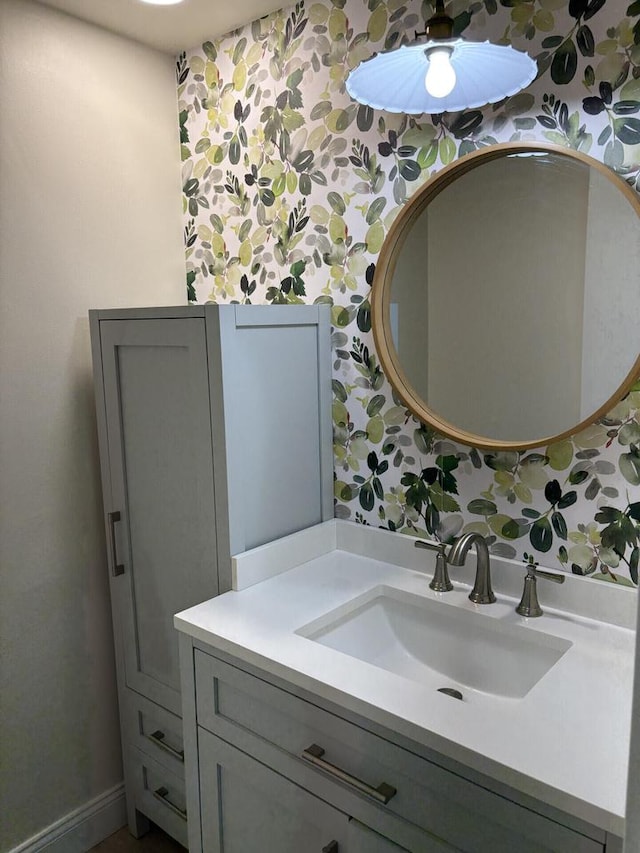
{"x":310,"y":724}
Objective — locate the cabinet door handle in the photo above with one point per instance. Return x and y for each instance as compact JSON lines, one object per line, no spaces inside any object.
{"x":331,"y":847}
{"x":163,"y":795}
{"x":157,"y":737}
{"x":382,"y":794}
{"x":118,"y":568}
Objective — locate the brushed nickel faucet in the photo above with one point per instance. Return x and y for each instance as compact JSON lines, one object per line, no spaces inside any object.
{"x":481,"y":592}
{"x":440,"y":581}
{"x":529,"y":604}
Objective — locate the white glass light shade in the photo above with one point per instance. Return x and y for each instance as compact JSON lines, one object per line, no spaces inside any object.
{"x":440,"y":78}
{"x":162,"y":2}
{"x":485,"y":73}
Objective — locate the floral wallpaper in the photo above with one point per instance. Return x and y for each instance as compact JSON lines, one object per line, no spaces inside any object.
{"x":290,"y":188}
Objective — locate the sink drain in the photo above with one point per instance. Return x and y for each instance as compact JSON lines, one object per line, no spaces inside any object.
{"x":450,"y":691}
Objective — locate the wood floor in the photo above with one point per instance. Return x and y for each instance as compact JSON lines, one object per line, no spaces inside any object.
{"x":155,"y":841}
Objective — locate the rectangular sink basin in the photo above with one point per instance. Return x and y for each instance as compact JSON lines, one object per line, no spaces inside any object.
{"x":437,"y":644}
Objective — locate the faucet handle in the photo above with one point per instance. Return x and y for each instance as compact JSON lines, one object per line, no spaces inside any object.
{"x":529,"y":604}
{"x":440,"y":581}
{"x":549,"y":576}
{"x":431,"y":546}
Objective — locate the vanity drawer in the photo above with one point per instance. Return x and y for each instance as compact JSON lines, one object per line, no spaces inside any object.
{"x":159,"y":794}
{"x":252,"y":809}
{"x":278,"y":727}
{"x":155,"y":731}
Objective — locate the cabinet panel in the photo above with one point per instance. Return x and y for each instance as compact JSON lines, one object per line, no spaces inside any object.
{"x":248,"y":710}
{"x":275,"y":428}
{"x":161,"y":467}
{"x":248,"y":807}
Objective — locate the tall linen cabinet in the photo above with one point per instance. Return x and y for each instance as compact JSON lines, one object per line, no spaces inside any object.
{"x":214,"y":430}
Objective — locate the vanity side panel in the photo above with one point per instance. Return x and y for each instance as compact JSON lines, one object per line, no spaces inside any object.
{"x":273,"y":363}
{"x":325,"y":400}
{"x":218,"y":443}
{"x":190,"y":741}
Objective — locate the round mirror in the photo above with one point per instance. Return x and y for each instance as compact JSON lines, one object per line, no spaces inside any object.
{"x":506,"y":299}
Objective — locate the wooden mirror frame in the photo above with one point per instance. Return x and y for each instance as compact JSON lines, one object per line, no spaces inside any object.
{"x":383,"y":278}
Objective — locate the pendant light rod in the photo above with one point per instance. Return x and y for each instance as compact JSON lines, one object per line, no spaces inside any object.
{"x":439,"y":25}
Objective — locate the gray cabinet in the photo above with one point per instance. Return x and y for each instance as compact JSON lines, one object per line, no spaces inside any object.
{"x":215,"y":436}
{"x":392,"y":796}
{"x":248,"y":807}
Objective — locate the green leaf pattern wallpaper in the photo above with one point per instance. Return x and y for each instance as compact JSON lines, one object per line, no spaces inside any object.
{"x":290,"y":188}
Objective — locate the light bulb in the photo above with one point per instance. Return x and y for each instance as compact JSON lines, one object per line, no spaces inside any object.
{"x":441,"y":77}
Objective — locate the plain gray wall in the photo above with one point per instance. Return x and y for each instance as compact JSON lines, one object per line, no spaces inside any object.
{"x":90,"y":216}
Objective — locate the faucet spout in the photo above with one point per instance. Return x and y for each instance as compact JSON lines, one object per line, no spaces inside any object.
{"x":481,"y":592}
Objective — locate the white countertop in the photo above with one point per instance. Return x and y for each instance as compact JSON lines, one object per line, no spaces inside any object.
{"x":565,"y":743}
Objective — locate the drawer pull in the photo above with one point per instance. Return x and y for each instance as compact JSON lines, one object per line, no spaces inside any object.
{"x":157,"y":738}
{"x":331,"y":847}
{"x":163,"y":795}
{"x":382,"y":794}
{"x":118,"y":568}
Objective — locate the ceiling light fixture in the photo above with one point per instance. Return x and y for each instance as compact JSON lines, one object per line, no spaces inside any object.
{"x":161,"y":2}
{"x":440,"y":74}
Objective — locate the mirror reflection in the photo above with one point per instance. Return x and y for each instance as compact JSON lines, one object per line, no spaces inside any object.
{"x":514,"y":305}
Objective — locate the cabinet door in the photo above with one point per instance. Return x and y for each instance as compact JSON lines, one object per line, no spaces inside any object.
{"x":245,"y":807}
{"x":163,"y":547}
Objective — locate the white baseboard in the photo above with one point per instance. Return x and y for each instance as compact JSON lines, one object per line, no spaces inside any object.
{"x":82,"y":828}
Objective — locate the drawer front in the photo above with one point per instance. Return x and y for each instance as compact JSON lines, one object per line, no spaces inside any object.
{"x":158,"y":793}
{"x":155,"y":731}
{"x":248,"y":808}
{"x":237,"y":706}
